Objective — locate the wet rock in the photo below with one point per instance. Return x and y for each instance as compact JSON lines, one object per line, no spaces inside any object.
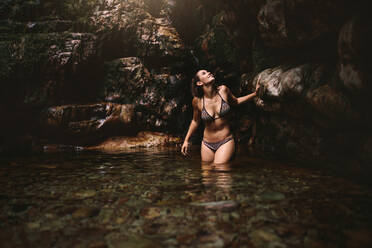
{"x":106,"y":215}
{"x":33,"y":225}
{"x":89,"y":122}
{"x":293,"y":23}
{"x":155,"y":93}
{"x":17,"y":208}
{"x":128,"y":30}
{"x":186,"y":238}
{"x":359,"y":238}
{"x":85,"y":194}
{"x":332,"y":104}
{"x":138,"y":242}
{"x":281,"y":83}
{"x":272,"y":196}
{"x":126,"y":80}
{"x":85,"y":212}
{"x":219,"y":205}
{"x":143,"y":139}
{"x":56,"y":54}
{"x":263,"y":238}
{"x":51,"y":26}
{"x":212,"y":240}
{"x":305,"y":85}
{"x":354,"y":52}
{"x":151,"y":213}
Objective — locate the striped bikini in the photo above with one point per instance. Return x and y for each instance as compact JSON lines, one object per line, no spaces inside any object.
{"x":206,"y":117}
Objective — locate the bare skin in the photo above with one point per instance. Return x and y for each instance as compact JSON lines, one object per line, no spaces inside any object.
{"x":219,"y":129}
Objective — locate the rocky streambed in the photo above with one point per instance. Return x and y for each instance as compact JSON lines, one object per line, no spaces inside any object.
{"x":156,"y":198}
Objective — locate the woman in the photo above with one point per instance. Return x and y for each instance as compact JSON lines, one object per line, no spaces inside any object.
{"x":212,"y":105}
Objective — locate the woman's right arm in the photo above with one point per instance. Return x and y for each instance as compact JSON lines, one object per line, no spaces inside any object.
{"x":193,"y":126}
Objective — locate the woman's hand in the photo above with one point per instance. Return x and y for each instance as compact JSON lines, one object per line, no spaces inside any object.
{"x":185,"y":148}
{"x":258,"y":83}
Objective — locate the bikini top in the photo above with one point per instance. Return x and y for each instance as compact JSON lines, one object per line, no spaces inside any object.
{"x":224,"y":110}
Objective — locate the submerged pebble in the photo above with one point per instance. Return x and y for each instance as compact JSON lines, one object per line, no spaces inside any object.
{"x":143,"y":201}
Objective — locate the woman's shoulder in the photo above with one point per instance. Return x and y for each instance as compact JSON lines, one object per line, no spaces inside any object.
{"x":196,"y":101}
{"x":223,"y":88}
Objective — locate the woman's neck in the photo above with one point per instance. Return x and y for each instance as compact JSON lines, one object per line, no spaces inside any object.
{"x":209,"y":91}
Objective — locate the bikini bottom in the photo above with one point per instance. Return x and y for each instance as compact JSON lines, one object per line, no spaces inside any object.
{"x":214,"y":146}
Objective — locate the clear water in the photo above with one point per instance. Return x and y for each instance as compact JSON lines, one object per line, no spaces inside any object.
{"x":157,"y":198}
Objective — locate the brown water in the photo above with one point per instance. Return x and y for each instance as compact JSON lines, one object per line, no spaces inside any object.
{"x":157,"y":198}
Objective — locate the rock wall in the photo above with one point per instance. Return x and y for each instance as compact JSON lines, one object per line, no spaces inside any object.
{"x":311,"y":58}
{"x":61,"y":60}
{"x":65,"y":67}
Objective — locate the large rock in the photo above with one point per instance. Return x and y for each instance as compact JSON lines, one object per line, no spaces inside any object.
{"x":126,"y":80}
{"x":354,"y":49}
{"x":88,"y":123}
{"x":291,"y":23}
{"x":51,"y":26}
{"x":142,"y":140}
{"x":304,"y":91}
{"x":128,"y":30}
{"x":155,"y":95}
{"x":44,"y":69}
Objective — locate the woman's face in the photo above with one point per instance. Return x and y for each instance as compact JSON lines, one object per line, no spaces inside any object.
{"x":205,"y":77}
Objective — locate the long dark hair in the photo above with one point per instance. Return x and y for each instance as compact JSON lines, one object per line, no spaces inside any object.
{"x":196,"y":90}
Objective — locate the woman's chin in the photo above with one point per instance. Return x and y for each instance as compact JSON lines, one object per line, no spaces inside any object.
{"x":211,"y":82}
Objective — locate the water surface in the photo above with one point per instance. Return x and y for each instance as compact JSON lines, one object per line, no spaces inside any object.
{"x":157,"y":198}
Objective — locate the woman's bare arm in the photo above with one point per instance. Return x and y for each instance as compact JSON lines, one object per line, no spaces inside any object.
{"x":193,"y":125}
{"x":239,"y":100}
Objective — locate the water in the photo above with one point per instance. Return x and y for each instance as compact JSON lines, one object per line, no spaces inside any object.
{"x":157,"y":198}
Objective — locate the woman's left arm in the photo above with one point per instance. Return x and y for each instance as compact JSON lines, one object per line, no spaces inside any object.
{"x":238,"y":100}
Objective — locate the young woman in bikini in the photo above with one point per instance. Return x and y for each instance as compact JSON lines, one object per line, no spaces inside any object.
{"x":212,"y":105}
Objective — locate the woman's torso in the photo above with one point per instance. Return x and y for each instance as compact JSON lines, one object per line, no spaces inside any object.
{"x":215,"y":113}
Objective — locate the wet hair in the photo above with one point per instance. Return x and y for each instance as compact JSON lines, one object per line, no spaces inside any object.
{"x":197,"y":91}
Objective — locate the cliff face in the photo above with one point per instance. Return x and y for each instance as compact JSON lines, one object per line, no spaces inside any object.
{"x":66,"y":65}
{"x":312,"y":61}
{"x":69,"y":69}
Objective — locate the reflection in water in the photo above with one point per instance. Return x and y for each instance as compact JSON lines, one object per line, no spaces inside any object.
{"x":217,"y":174}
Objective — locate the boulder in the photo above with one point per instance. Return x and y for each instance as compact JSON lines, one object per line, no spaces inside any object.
{"x":355,"y":53}
{"x":142,"y":140}
{"x":155,"y":94}
{"x":88,"y":123}
{"x":52,"y":64}
{"x":305,"y":91}
{"x":128,"y":30}
{"x":125,"y":81}
{"x":291,"y":23}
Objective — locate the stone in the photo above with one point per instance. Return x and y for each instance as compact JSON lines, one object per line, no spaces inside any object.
{"x":218,"y":205}
{"x":85,"y":212}
{"x":293,"y":23}
{"x":262,"y":238}
{"x":354,"y":51}
{"x":85,"y":194}
{"x":89,"y":121}
{"x":272,"y":196}
{"x":143,"y":139}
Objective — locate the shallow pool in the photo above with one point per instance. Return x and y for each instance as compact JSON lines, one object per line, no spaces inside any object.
{"x":157,"y":198}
